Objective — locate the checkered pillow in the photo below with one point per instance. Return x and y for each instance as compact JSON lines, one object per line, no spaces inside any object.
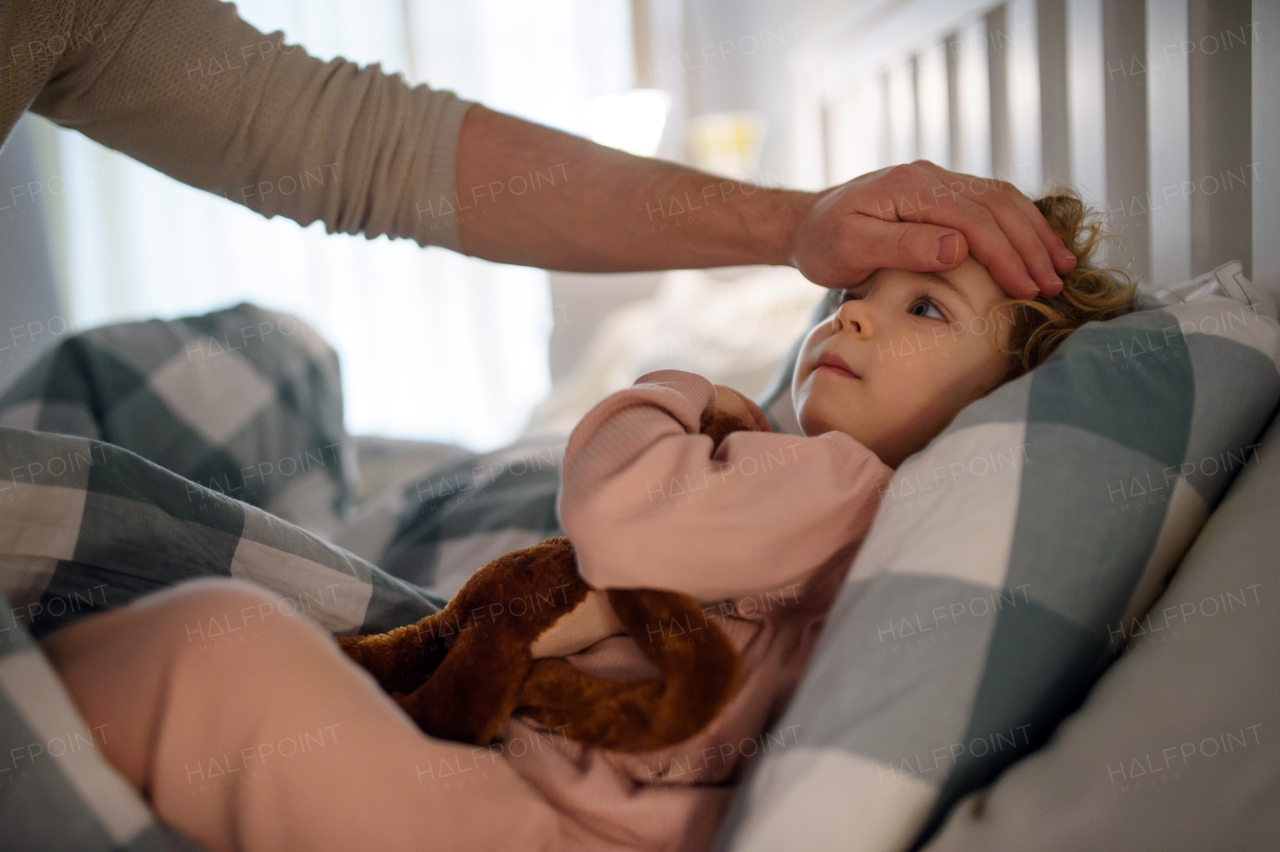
{"x":244,"y":401}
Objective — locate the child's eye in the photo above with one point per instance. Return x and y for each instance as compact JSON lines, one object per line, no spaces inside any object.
{"x":928,"y":305}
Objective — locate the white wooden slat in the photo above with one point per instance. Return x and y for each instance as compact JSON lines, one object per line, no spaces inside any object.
{"x":1051,"y":49}
{"x":934,"y":105}
{"x":901,"y":98}
{"x":808,"y":111}
{"x":1022,"y":59}
{"x":1222,"y":165}
{"x":997,"y":49}
{"x":973,"y":101}
{"x":1168,"y":120}
{"x":1086,"y":99}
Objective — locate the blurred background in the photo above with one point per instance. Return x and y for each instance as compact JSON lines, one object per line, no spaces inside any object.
{"x":1161,"y":112}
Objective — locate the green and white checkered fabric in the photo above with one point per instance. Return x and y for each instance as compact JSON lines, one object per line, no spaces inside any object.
{"x":88,"y":526}
{"x":243,"y":400}
{"x":58,"y":791}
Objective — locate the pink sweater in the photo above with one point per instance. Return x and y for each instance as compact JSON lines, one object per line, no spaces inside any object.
{"x":762,"y":533}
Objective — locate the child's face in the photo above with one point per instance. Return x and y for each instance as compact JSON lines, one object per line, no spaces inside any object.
{"x":921,"y":347}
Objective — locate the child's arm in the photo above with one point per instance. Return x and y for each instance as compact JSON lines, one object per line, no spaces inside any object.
{"x":647,"y":505}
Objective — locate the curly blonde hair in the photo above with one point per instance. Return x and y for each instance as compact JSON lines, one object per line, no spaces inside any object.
{"x":1088,"y":293}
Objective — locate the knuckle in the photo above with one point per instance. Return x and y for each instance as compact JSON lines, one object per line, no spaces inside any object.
{"x":901,"y":173}
{"x":984,"y":216}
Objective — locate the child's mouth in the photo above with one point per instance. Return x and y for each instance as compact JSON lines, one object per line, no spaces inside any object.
{"x":835,"y":364}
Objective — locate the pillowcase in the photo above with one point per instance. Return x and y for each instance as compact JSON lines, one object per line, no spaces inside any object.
{"x":1175,"y":746}
{"x":983,"y":603}
{"x":242,"y":400}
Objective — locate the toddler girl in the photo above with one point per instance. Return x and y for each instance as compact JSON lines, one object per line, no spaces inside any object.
{"x":762,"y":532}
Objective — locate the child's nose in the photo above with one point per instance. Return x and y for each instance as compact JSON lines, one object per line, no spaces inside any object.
{"x":854,"y":313}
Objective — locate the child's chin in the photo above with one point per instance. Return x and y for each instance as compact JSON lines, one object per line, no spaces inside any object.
{"x":812,"y":423}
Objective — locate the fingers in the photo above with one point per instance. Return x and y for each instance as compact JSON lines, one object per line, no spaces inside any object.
{"x":757,"y":412}
{"x":1025,"y":243}
{"x":905,"y":245}
{"x":1062,"y":258}
{"x":998,"y":245}
{"x":925,"y":218}
{"x":732,"y":402}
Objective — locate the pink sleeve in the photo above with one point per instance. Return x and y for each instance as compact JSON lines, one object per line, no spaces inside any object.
{"x":647,"y":505}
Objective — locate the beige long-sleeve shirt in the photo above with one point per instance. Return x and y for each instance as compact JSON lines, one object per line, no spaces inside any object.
{"x":190,"y":89}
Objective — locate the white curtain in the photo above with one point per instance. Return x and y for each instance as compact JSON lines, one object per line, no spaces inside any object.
{"x":433,"y":345}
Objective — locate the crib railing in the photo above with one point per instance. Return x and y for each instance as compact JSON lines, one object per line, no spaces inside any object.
{"x":1163,"y":113}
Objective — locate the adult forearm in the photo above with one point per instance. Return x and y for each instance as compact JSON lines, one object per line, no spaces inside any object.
{"x":531,"y":195}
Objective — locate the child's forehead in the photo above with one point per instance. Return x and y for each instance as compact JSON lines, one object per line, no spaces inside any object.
{"x":970,"y":280}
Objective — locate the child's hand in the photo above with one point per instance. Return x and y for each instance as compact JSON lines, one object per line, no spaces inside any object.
{"x":740,"y":406}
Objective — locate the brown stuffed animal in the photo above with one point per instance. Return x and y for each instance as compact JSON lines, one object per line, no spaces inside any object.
{"x":461,"y":672}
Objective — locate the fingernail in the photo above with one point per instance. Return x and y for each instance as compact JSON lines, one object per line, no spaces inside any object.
{"x":949,"y":249}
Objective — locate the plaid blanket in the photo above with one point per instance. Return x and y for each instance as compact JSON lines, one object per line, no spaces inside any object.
{"x":235,"y":420}
{"x":89,"y":526}
{"x":186,"y":448}
{"x":243,"y":400}
{"x":58,"y":792}
{"x":466,"y":513}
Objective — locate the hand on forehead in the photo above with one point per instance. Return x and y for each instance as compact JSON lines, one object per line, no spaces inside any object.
{"x":923,"y":218}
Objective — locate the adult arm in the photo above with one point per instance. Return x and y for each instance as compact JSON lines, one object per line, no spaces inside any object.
{"x":192,"y":90}
{"x":544,"y":198}
{"x":648,"y":505}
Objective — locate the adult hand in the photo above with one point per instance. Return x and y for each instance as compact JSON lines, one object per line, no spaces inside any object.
{"x":742,"y":407}
{"x":923,"y":218}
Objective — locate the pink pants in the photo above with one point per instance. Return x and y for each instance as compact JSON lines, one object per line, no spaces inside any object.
{"x":274,"y":740}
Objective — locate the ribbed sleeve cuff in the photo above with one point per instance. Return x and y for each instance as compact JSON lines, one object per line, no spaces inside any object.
{"x":436,"y":218}
{"x":691,"y":386}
